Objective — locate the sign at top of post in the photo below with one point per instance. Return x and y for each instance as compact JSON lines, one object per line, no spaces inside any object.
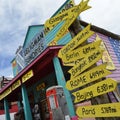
{"x":65,"y":15}
{"x":71,"y":18}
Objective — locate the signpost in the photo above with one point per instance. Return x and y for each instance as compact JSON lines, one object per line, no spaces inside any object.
{"x":87,"y":77}
{"x":97,"y":89}
{"x":103,"y":110}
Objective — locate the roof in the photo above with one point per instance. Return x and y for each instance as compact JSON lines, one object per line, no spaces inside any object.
{"x":101,"y":30}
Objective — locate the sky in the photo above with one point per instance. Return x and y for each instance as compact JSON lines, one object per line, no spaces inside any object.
{"x":17,"y":15}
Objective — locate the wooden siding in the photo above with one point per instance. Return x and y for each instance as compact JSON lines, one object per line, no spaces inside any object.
{"x":114,"y":52}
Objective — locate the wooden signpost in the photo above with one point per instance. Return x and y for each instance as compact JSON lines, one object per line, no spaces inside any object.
{"x":82,"y":58}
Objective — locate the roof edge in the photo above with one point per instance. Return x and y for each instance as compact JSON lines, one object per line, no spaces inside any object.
{"x":101,"y":30}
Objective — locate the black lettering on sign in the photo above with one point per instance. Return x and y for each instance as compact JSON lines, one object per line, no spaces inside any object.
{"x":88,"y":111}
{"x":82,"y":35}
{"x":96,"y":73}
{"x":104,"y":87}
{"x":108,"y":110}
{"x":59,"y":18}
{"x":78,"y":81}
{"x":93,"y":56}
{"x":67,"y":49}
{"x":74,"y":71}
{"x":84,"y":96}
{"x":88,"y":49}
{"x":70,"y":56}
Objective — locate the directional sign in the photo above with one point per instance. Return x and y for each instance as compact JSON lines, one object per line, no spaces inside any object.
{"x":76,"y":41}
{"x":87,"y":77}
{"x":82,"y":6}
{"x":103,"y":110}
{"x":80,"y":52}
{"x":86,"y":62}
{"x":97,"y":89}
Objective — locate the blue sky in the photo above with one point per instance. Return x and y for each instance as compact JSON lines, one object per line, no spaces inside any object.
{"x":17,"y":15}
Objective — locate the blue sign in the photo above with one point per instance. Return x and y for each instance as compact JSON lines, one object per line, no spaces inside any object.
{"x":34,"y":48}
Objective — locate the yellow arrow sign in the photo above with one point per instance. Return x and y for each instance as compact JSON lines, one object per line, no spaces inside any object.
{"x":50,"y":23}
{"x":103,"y":110}
{"x":70,"y":20}
{"x":72,"y":63}
{"x":97,"y":89}
{"x":87,"y":77}
{"x":76,"y":41}
{"x":80,"y":52}
{"x":86,"y":62}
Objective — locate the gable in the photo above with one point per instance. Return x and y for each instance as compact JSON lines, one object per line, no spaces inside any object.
{"x":31,"y":33}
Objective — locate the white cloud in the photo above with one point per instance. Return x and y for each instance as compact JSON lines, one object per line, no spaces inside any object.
{"x":104,"y":13}
{"x":17,"y":15}
{"x":6,"y":72}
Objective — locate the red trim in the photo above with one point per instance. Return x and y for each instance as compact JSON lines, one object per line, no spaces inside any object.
{"x":41,"y":61}
{"x":14,"y":108}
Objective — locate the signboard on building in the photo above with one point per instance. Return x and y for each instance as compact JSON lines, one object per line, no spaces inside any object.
{"x":34,"y":48}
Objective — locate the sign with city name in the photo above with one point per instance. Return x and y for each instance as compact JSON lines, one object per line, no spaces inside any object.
{"x":87,"y":77}
{"x":16,"y":85}
{"x":76,"y":41}
{"x":27,"y":76}
{"x":80,"y":52}
{"x":82,"y":6}
{"x":86,"y":62}
{"x":58,"y":16}
{"x":97,"y":89}
{"x":103,"y":110}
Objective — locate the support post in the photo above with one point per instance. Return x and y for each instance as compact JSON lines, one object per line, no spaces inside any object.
{"x":27,"y":110}
{"x":61,"y":81}
{"x":6,"y":108}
